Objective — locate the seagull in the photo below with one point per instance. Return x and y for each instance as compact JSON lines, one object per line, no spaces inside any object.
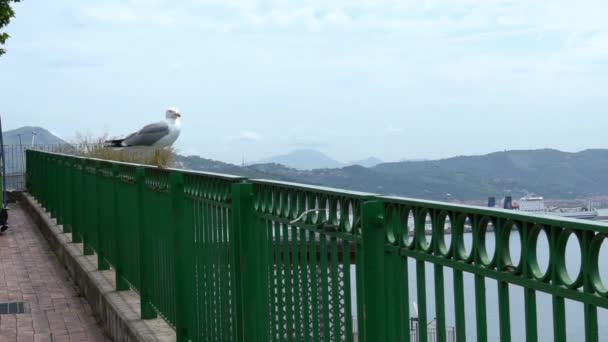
{"x":159,"y":134}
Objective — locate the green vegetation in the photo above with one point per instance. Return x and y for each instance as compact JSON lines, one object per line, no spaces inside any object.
{"x":6,"y":13}
{"x":550,"y":173}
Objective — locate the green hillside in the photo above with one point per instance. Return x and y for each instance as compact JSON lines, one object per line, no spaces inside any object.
{"x":550,"y":173}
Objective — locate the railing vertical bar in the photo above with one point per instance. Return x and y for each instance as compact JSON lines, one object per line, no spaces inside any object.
{"x":479,"y":233}
{"x":81,"y":232}
{"x":205,"y":285}
{"x":145,"y":262}
{"x":374,"y":237}
{"x":198,"y":262}
{"x":480,"y":308}
{"x":61,"y":194}
{"x":402,"y":272}
{"x":529,"y":294}
{"x":253,"y":263}
{"x":51,"y":186}
{"x":305,"y":283}
{"x":280,"y":252}
{"x":324,"y":288}
{"x":440,"y":304}
{"x":54,"y":188}
{"x":360,"y":278}
{"x":69,"y":194}
{"x":459,"y":311}
{"x":272,"y":272}
{"x":119,"y":230}
{"x":422,"y":312}
{"x":183,"y":240}
{"x":297,"y":285}
{"x":504,"y":315}
{"x":213,"y":240}
{"x":391,"y":288}
{"x":217,"y":247}
{"x":346,"y":261}
{"x":225,"y":272}
{"x":77,"y":202}
{"x":559,"y":307}
{"x":287,"y":255}
{"x":335,"y":286}
{"x":531,"y":319}
{"x":438,"y":232}
{"x":314,"y":258}
{"x":102,"y":263}
{"x":590,"y":315}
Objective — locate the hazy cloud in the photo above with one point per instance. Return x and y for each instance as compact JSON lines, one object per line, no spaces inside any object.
{"x":308,"y":142}
{"x":247,"y":136}
{"x":324,"y":74}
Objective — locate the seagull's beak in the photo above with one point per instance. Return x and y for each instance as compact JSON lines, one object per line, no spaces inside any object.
{"x":178,"y":115}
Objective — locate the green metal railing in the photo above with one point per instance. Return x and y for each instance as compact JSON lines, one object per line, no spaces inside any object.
{"x":224,"y":258}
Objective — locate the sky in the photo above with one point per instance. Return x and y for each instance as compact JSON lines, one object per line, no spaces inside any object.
{"x":395,"y":79}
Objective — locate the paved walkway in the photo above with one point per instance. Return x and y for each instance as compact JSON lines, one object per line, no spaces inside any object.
{"x":31,"y":273}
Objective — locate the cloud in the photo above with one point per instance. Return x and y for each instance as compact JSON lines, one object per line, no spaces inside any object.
{"x":127,"y":14}
{"x":246,"y":135}
{"x":312,"y":142}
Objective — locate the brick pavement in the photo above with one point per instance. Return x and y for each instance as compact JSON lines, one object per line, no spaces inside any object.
{"x":30,"y":272}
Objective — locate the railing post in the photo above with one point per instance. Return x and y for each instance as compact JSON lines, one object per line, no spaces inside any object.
{"x":374,"y":301}
{"x":68,"y":187}
{"x":248,"y":248}
{"x":77,"y":202}
{"x":52,"y":199}
{"x":102,"y":263}
{"x":28,"y":171}
{"x":121,"y":282}
{"x":183,"y":255}
{"x":83,"y":227}
{"x":49,"y":183}
{"x":58,"y":190}
{"x":145,"y":261}
{"x":61,"y":193}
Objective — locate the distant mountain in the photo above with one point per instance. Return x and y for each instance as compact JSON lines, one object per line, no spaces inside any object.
{"x":209,"y":165}
{"x":43,"y":136}
{"x":303,"y":160}
{"x":368,"y":162}
{"x":550,"y":173}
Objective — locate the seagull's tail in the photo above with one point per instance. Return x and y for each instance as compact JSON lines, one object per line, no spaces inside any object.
{"x":113,"y":143}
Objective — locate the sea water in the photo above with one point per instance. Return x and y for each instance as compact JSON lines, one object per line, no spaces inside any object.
{"x":575,"y":324}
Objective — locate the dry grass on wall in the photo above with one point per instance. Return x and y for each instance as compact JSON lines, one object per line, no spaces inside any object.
{"x":93,"y":147}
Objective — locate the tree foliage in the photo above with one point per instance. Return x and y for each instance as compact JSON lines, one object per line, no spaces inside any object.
{"x":6,"y":13}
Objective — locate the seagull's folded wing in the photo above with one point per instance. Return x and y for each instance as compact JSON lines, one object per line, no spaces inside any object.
{"x":148,"y":135}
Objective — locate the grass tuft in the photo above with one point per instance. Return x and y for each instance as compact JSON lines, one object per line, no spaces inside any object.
{"x":93,"y":147}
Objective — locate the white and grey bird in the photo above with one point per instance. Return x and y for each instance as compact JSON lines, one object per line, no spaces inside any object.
{"x":158,"y":134}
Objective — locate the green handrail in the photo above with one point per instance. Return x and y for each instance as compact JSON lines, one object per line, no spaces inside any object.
{"x":224,"y":258}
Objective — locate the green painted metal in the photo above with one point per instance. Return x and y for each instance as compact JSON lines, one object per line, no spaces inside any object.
{"x":374,"y":278}
{"x":224,"y":258}
{"x":124,"y":212}
{"x":145,"y":266}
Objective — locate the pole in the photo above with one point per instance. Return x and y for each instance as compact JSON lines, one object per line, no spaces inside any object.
{"x":3,"y":166}
{"x":3,"y":211}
